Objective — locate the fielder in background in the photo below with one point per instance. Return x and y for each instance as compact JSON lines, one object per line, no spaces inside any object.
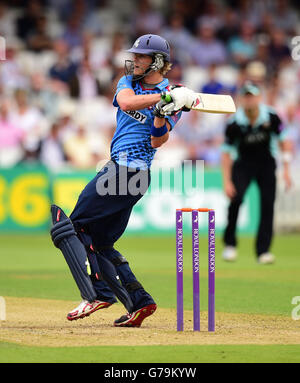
{"x":252,"y":136}
{"x":103,"y":209}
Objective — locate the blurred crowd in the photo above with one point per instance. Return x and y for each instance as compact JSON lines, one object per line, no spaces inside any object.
{"x":62,"y":59}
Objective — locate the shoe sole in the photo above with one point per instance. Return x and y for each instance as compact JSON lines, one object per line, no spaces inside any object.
{"x":138,"y":317}
{"x":83,"y":315}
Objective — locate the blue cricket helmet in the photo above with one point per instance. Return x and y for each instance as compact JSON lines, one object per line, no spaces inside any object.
{"x":150,"y":45}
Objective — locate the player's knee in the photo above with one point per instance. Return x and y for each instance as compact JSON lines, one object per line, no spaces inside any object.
{"x":61,"y":230}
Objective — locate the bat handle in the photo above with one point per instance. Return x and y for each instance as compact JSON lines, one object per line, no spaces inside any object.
{"x":166,"y":97}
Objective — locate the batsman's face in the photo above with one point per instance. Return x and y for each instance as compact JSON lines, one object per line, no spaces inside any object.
{"x":141,"y":63}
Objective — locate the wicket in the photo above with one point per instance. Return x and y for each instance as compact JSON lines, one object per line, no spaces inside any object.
{"x":196,"y":264}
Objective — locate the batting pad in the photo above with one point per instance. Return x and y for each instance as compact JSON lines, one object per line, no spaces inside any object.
{"x":110,"y":276}
{"x":64,"y":237}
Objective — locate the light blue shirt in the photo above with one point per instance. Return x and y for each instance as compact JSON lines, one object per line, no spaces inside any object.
{"x":131,"y":143}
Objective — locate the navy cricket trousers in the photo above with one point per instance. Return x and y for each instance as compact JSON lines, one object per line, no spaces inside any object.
{"x":242,"y":175}
{"x":101,"y":216}
{"x":104,"y":206}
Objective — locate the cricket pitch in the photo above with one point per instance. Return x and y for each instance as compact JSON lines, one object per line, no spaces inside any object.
{"x":42,"y":322}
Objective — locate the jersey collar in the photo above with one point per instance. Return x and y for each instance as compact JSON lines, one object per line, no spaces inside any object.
{"x":262,"y":118}
{"x":161,"y":85}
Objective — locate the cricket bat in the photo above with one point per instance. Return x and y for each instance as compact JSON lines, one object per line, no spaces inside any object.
{"x":211,"y":103}
{"x":214,"y":103}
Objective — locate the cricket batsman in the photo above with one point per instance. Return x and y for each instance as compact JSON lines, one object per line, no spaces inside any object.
{"x":102,"y":212}
{"x":249,"y":153}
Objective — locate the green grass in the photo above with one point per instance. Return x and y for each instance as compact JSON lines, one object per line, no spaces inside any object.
{"x":32,"y":267}
{"x":151,"y":354}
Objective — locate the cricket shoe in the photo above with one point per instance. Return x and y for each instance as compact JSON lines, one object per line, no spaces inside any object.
{"x":136,"y":318}
{"x":229,"y":253}
{"x":266,"y":259}
{"x":86,"y":308}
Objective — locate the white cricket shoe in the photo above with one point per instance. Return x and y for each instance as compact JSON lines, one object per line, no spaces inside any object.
{"x":229,"y":253}
{"x":86,"y":308}
{"x":266,"y":258}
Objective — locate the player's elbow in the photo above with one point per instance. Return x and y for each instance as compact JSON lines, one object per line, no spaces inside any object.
{"x":125,"y":99}
{"x":124,"y":102}
{"x":124,"y":105}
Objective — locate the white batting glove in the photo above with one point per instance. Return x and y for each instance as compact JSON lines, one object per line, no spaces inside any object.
{"x":158,"y":111}
{"x":181,"y":97}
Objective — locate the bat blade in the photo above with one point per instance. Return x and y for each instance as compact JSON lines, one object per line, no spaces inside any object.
{"x":214,"y":103}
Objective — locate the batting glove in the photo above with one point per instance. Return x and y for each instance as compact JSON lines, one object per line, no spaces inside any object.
{"x":178,"y":98}
{"x":158,"y":111}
